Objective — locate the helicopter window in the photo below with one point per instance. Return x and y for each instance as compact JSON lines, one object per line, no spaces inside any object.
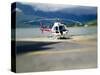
{"x":62,"y":28}
{"x":56,"y":29}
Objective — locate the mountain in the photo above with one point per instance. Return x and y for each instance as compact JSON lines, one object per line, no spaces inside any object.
{"x":31,"y":14}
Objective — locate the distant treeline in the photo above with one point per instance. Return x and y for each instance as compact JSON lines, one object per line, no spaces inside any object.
{"x":89,"y":23}
{"x":92,"y":23}
{"x":47,"y":24}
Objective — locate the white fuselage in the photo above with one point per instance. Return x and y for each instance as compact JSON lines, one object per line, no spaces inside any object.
{"x":59,"y":29}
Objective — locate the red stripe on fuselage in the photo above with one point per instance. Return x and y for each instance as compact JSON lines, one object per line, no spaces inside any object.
{"x":46,"y":29}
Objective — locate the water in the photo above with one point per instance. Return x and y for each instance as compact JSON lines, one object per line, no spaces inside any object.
{"x":36,"y":32}
{"x":83,"y":30}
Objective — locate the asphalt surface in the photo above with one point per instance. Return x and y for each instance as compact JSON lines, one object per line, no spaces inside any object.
{"x":50,"y":56}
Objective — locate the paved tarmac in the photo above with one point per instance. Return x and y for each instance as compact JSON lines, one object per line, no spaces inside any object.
{"x":36,"y":56}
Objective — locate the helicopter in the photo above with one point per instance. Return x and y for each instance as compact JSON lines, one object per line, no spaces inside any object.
{"x":58,"y":30}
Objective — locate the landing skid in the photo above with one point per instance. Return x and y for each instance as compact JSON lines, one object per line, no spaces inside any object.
{"x":60,"y":37}
{"x":63,"y":38}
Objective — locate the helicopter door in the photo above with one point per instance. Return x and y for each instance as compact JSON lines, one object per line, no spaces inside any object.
{"x":56,"y":29}
{"x":61,"y":29}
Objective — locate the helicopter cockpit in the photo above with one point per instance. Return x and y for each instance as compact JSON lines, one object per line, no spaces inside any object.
{"x":59,"y":29}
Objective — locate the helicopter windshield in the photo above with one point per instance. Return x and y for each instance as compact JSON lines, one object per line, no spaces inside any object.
{"x":62,"y":28}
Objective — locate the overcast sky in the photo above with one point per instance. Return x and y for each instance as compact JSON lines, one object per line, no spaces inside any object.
{"x":49,"y":7}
